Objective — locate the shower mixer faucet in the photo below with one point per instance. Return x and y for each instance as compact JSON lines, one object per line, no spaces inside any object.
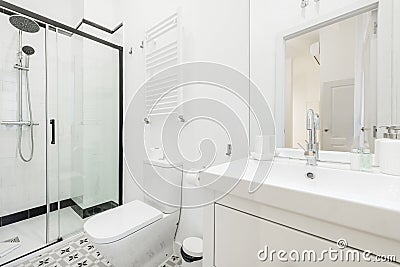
{"x":23,"y":25}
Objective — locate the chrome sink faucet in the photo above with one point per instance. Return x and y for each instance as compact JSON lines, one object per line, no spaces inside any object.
{"x":312,"y":127}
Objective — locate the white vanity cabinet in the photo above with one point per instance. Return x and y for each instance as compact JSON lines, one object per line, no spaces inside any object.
{"x":240,"y":236}
{"x":293,"y":212}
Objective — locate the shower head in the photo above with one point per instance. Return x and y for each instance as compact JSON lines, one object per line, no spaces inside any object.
{"x":28,"y":50}
{"x":24,"y":24}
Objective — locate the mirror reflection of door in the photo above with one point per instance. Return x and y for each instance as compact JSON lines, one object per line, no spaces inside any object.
{"x":337,"y":120}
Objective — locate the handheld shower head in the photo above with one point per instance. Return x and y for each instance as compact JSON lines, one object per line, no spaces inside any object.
{"x":28,"y":50}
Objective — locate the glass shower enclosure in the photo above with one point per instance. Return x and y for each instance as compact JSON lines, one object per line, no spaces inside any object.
{"x":60,"y":130}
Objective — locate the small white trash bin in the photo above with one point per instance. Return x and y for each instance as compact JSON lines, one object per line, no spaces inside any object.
{"x":192,"y":252}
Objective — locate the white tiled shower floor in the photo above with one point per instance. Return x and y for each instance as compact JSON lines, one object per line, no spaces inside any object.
{"x":78,"y":252}
{"x":32,"y":232}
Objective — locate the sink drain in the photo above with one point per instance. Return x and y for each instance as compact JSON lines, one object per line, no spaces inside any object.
{"x":310,"y":175}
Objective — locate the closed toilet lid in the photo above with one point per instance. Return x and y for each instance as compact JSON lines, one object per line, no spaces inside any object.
{"x":117,"y":223}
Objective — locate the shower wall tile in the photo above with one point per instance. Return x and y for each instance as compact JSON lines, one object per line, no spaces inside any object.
{"x":8,"y":144}
{"x":9,"y":202}
{"x":8,"y":98}
{"x":37,"y":211}
{"x":8,"y":106}
{"x":9,"y":86}
{"x":8,"y":174}
{"x":6,"y":220}
{"x":9,"y":73}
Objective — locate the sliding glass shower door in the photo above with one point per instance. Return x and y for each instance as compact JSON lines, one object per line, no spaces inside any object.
{"x":83,"y":129}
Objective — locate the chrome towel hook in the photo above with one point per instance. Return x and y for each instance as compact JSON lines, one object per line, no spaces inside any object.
{"x":304,"y":3}
{"x":181,"y":118}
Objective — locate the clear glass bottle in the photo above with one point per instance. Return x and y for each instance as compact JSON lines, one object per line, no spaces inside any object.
{"x":355,"y":155}
{"x":366,"y":156}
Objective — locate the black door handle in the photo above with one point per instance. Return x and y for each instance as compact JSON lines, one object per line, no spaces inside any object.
{"x":53,"y":131}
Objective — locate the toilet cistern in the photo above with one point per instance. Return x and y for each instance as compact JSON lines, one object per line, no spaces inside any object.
{"x":312,"y":127}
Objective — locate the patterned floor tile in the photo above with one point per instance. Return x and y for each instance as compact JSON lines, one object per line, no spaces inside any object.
{"x":80,"y":253}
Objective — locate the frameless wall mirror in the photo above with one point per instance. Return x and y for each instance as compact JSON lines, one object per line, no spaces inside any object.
{"x":333,"y":70}
{"x":346,"y":67}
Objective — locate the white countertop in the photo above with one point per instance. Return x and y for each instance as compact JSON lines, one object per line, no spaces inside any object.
{"x":368,"y":202}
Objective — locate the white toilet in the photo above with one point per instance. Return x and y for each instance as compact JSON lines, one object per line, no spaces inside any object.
{"x":137,"y":233}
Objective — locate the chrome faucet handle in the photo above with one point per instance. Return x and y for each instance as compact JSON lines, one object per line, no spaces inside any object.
{"x":310,"y":119}
{"x":311,"y":158}
{"x":317,"y":121}
{"x":394,"y":128}
{"x":309,"y":154}
{"x":302,"y":147}
{"x":317,"y":148}
{"x":393,"y":132}
{"x":312,"y":126}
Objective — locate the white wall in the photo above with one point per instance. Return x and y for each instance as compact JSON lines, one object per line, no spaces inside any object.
{"x":103,"y":12}
{"x":212,"y":31}
{"x":338,"y":44}
{"x":396,"y":63}
{"x":306,"y":93}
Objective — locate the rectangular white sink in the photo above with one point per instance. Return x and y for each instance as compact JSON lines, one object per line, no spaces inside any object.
{"x":368,"y":202}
